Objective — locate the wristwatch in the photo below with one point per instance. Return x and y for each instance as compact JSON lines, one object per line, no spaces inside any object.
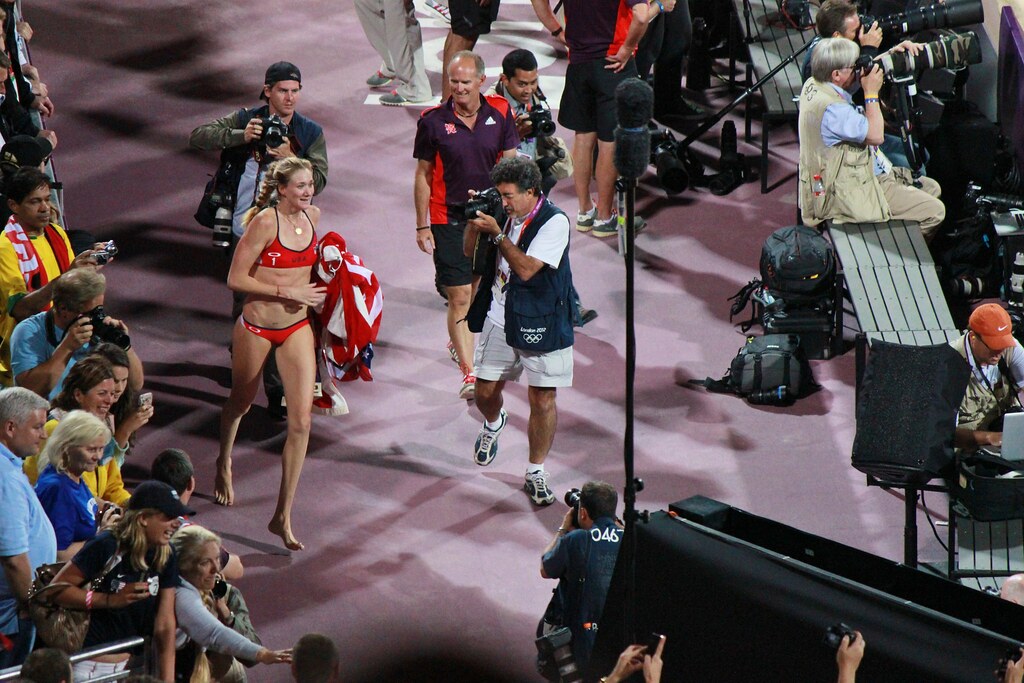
{"x":498,"y":239}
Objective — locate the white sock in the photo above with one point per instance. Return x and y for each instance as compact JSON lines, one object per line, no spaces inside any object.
{"x":493,"y":426}
{"x":534,"y":469}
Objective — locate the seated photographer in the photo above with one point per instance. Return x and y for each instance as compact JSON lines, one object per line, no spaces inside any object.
{"x":74,"y":450}
{"x":45,"y":346}
{"x":996,"y":359}
{"x":844,"y":177}
{"x":214,"y":641}
{"x":34,"y":251}
{"x":173,"y":467}
{"x":582,"y":557}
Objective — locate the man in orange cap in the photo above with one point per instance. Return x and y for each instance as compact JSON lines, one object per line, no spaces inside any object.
{"x":997,"y":373}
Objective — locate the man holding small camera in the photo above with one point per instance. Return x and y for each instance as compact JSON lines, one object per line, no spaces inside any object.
{"x":45,"y":346}
{"x":582,"y":557}
{"x":844,"y":177}
{"x":523,"y":310}
{"x":252,"y":139}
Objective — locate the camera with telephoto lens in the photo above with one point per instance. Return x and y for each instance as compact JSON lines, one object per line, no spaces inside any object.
{"x":834,"y":635}
{"x":275,"y":131}
{"x":573,"y":500}
{"x":779,"y":396}
{"x":948,"y":52}
{"x":940,"y":15}
{"x":103,"y":331}
{"x":556,"y":647}
{"x":225,"y":202}
{"x":541,"y":121}
{"x":487,"y":202}
{"x":105,"y":253}
{"x":220,"y":589}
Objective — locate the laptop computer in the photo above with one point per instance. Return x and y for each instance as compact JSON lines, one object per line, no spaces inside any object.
{"x":1013,"y":436}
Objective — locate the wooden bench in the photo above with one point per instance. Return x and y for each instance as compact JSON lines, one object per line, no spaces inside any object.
{"x":770,"y":41}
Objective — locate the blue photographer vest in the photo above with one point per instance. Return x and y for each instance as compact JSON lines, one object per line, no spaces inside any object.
{"x":538,"y":311}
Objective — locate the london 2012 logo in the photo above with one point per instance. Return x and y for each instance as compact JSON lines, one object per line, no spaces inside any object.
{"x":532,"y":335}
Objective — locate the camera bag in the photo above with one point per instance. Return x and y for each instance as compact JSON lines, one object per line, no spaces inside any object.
{"x":798,"y":265}
{"x":990,"y":488}
{"x":768,"y":369}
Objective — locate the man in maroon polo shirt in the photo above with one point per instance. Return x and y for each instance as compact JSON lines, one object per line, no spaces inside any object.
{"x":602,"y":36}
{"x":457,"y":144}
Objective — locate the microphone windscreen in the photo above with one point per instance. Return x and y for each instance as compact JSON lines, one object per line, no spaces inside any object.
{"x":632,"y":151}
{"x":634,"y":103}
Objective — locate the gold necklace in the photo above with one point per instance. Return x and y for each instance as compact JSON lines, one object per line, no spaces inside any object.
{"x":296,"y":228}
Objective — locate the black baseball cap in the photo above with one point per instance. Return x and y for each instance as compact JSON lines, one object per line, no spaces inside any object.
{"x":25,"y":150}
{"x":158,"y":496}
{"x":281,"y":71}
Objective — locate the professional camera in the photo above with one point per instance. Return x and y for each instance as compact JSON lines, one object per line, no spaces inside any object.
{"x":105,"y":332}
{"x":572,"y":499}
{"x":556,"y":648}
{"x":976,"y":197}
{"x":940,"y":15}
{"x":107,"y":252}
{"x":954,"y":51}
{"x":220,"y":589}
{"x":275,"y":131}
{"x":834,"y":635}
{"x":225,"y":202}
{"x":487,"y":201}
{"x":543,"y":126}
{"x":672,"y":174}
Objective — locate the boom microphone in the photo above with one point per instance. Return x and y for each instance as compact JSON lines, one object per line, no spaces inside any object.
{"x":634,"y":104}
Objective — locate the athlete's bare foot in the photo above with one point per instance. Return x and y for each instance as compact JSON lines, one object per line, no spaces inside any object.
{"x":223,"y":492}
{"x":282,"y":528}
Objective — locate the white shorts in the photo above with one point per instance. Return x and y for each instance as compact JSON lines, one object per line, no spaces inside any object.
{"x":495,"y":361}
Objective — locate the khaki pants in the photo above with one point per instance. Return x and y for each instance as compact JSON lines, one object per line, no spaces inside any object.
{"x":909,"y":203}
{"x":393,"y":31}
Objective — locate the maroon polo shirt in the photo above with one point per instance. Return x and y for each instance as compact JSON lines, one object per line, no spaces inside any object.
{"x":595,"y":29}
{"x":463,"y":158}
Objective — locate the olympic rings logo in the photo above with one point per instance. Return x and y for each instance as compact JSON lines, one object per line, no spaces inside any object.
{"x":532,"y":338}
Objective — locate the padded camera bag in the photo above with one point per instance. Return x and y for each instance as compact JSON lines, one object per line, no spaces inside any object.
{"x":768,"y":363}
{"x":982,"y":487}
{"x":798,"y":265}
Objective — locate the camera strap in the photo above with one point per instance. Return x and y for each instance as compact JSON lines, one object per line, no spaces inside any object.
{"x":51,"y":330}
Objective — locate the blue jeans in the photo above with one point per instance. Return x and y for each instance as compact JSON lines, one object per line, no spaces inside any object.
{"x":23,"y":641}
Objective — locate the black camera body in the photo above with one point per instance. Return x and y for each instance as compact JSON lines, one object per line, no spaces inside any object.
{"x":543,"y":125}
{"x":555,"y":656}
{"x":573,"y":500}
{"x":220,"y":589}
{"x":275,"y":131}
{"x":487,"y":201}
{"x":834,"y":635}
{"x":104,"y":255}
{"x":105,"y":332}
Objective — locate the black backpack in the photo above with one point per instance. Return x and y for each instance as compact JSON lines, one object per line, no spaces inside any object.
{"x":798,"y":265}
{"x":771,"y":369}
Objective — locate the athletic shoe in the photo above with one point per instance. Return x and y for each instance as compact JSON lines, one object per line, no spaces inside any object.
{"x":453,"y":353}
{"x":442,"y":10}
{"x":468,"y":390}
{"x":393,"y":99}
{"x":536,"y":487}
{"x":379,"y":80}
{"x":585,"y":221}
{"x":487,"y":441}
{"x":585,"y":315}
{"x":610,"y":227}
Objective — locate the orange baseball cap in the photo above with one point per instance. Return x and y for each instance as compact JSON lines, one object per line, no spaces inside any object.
{"x":992,"y":323}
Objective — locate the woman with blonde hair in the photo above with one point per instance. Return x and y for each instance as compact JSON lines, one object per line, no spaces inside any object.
{"x":74,"y":450}
{"x":213,"y":640}
{"x":126,"y":578}
{"x":272,"y":266}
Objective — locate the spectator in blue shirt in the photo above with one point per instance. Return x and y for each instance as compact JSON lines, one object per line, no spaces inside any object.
{"x":76,"y":447}
{"x":26,"y":536}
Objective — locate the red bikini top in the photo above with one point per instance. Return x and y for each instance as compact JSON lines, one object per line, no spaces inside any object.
{"x":276,"y":255}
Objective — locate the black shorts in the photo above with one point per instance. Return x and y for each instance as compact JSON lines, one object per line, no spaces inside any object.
{"x":588,"y":100}
{"x":469,"y":19}
{"x":452,"y":268}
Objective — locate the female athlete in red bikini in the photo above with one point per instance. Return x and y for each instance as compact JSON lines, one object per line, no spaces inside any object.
{"x":272,"y":266}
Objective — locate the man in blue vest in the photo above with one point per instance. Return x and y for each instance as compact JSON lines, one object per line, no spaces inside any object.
{"x":245,"y":157}
{"x":523,"y":310}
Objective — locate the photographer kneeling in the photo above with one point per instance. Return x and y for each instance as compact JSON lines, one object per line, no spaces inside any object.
{"x":582,"y":557}
{"x":844,"y":177}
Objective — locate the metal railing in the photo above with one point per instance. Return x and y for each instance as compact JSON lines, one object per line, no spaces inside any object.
{"x":106,"y":649}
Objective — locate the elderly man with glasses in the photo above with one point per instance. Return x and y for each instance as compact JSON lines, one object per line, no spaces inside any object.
{"x":844,"y":177}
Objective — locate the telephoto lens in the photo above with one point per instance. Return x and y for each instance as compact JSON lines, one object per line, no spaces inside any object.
{"x":773,"y":397}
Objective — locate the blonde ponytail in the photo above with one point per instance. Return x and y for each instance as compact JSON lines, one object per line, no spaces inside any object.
{"x":278,"y":173}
